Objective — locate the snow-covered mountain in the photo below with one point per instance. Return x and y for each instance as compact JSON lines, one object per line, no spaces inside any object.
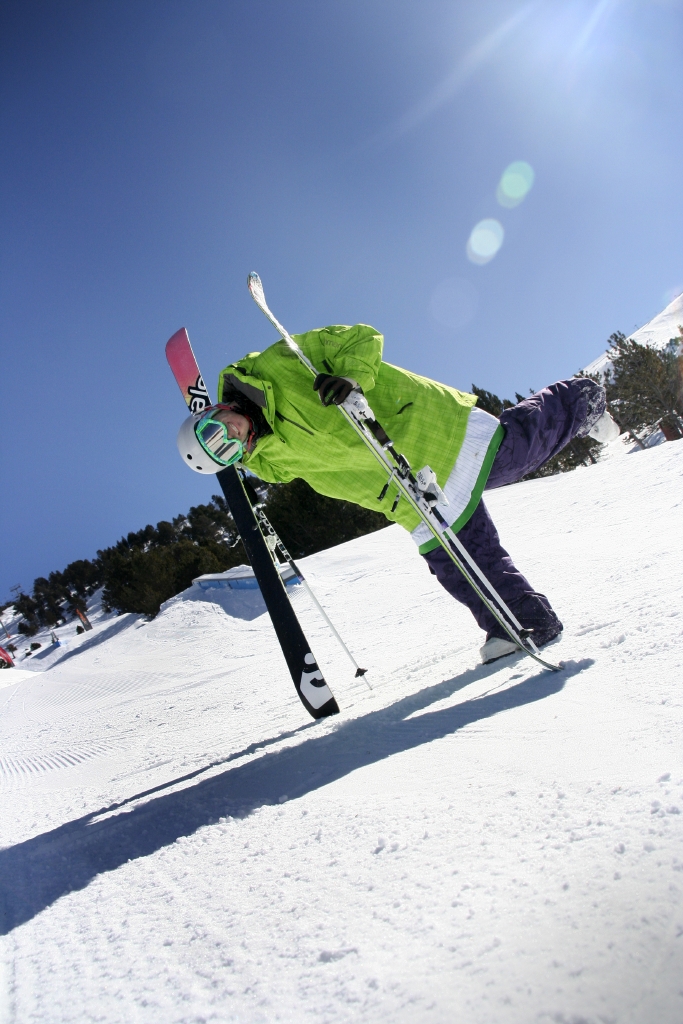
{"x":657,"y":332}
{"x":464,"y":843}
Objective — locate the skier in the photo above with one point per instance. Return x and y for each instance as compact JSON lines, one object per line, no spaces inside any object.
{"x":270,"y":418}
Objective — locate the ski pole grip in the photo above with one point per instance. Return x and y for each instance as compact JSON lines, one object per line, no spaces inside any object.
{"x":379,"y":433}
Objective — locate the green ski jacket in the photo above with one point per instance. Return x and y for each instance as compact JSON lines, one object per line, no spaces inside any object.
{"x":425,"y":420}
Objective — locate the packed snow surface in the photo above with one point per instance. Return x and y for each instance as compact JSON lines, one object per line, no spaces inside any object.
{"x":180,"y":843}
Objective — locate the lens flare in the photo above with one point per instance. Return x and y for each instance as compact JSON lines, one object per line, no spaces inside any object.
{"x":516,"y":180}
{"x":485,"y":240}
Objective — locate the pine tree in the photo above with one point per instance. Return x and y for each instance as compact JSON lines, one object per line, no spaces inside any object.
{"x":149,"y":566}
{"x":645,"y":386}
{"x":489,"y":402}
{"x":140,"y":581}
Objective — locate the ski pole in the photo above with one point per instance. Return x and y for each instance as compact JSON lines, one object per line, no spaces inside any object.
{"x":270,"y":535}
{"x":360,"y":672}
{"x":379,"y":443}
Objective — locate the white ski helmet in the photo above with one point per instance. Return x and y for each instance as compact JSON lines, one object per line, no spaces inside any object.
{"x":197,"y":456}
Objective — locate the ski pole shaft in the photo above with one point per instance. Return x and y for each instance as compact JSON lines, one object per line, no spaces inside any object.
{"x":316,"y":602}
{"x":309,"y":590}
{"x":268,"y":529}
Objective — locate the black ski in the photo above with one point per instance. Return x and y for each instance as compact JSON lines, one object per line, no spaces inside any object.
{"x":311,"y":687}
{"x":314,"y":692}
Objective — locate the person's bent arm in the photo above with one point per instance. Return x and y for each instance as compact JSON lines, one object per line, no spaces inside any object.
{"x":353,"y":352}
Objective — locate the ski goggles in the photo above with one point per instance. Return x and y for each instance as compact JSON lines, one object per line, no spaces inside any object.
{"x":213,"y":437}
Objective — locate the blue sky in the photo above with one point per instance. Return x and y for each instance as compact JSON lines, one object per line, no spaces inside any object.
{"x":155,"y":152}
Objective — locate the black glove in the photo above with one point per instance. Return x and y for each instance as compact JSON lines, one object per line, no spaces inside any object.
{"x":333,"y":389}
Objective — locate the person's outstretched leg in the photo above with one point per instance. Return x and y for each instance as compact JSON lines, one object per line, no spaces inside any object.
{"x":540,"y":426}
{"x":480,"y":538}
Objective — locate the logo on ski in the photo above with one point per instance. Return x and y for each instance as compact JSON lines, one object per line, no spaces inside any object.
{"x":199,"y":396}
{"x":313,"y":686}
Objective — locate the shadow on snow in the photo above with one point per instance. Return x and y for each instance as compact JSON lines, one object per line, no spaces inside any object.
{"x":119,"y":624}
{"x":39,"y":871}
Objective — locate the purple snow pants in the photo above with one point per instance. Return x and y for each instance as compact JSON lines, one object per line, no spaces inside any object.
{"x":535,"y":430}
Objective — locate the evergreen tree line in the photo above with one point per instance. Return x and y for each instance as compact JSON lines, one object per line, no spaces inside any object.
{"x":144,"y":569}
{"x":645,"y":387}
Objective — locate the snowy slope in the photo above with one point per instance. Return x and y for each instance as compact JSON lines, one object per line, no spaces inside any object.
{"x":26,"y":660}
{"x":657,"y":332}
{"x":180,"y":843}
